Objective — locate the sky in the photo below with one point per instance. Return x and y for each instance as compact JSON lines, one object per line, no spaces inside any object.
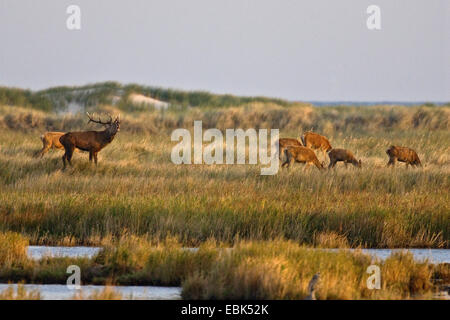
{"x":299,"y":50}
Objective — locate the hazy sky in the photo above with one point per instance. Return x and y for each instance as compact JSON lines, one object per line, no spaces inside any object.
{"x":299,"y":50}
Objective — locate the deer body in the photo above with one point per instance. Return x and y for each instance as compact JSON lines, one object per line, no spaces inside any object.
{"x":50,"y":140}
{"x":316,"y":141}
{"x":283,"y":143}
{"x":301,"y":154}
{"x":343,"y":155}
{"x":402,"y":154}
{"x":91,"y":141}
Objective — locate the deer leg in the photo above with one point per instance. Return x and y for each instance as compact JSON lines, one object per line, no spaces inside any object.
{"x":286,"y":163}
{"x":90,"y":156}
{"x":69,"y":154}
{"x":95,"y":157}
{"x":280,"y":151}
{"x":43,"y":151}
{"x":332,"y":164}
{"x":391,"y":162}
{"x":318,"y":164}
{"x":345,"y":163}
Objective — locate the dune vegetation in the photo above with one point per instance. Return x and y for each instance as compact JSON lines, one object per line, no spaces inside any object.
{"x":136,"y":188}
{"x":143,"y":209}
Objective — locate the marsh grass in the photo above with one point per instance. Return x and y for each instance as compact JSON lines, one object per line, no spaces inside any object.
{"x":136,"y":189}
{"x":108,"y":293}
{"x":13,"y":250}
{"x":282,"y":270}
{"x":21,"y":293}
{"x":276,"y":269}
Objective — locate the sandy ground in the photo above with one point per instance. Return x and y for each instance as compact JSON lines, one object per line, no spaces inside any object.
{"x":141,"y":99}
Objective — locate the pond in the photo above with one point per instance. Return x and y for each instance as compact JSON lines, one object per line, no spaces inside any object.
{"x":433,"y":255}
{"x":62,"y":292}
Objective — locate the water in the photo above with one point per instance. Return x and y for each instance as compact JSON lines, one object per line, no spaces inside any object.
{"x":433,"y":255}
{"x":38,"y":252}
{"x":62,"y":292}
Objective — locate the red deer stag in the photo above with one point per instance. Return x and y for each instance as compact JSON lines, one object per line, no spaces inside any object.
{"x":92,"y":141}
{"x":346,"y":156}
{"x":316,"y":141}
{"x":283,"y":143}
{"x":402,"y":154}
{"x":303,"y":155}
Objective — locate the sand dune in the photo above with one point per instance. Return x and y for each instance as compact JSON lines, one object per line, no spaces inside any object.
{"x":141,"y":99}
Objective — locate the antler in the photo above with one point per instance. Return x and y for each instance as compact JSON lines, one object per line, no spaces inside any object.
{"x":99,"y":121}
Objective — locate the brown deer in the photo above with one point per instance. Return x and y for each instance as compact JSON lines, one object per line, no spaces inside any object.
{"x":92,"y":141}
{"x":301,"y":154}
{"x":346,"y":156}
{"x":316,"y":141}
{"x":283,"y":143}
{"x":402,"y":154}
{"x":50,"y":140}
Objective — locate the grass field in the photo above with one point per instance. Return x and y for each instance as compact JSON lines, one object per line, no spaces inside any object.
{"x":142,"y":209}
{"x":137,"y":190}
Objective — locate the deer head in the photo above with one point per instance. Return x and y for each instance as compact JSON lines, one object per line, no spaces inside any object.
{"x":112,"y":126}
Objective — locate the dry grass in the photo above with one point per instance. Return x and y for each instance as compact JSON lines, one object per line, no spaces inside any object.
{"x":282,"y":270}
{"x":13,"y":250}
{"x":274,"y":269}
{"x":21,"y":293}
{"x":108,"y":293}
{"x":136,"y":188}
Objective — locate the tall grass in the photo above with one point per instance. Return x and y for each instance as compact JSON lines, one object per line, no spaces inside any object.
{"x":275,"y":269}
{"x":282,"y":270}
{"x":13,"y":250}
{"x":21,"y":293}
{"x":137,"y":189}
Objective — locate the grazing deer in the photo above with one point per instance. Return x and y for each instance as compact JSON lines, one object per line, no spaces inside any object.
{"x":402,"y":154}
{"x":301,"y":154}
{"x":316,"y":141}
{"x":346,"y":156}
{"x":92,"y":141}
{"x":283,"y":143}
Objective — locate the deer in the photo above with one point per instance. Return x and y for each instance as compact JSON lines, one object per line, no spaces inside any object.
{"x":316,"y":141}
{"x":301,"y":154}
{"x":50,"y":140}
{"x":402,"y":154}
{"x":343,"y":155}
{"x":91,"y":141}
{"x":283,"y":143}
